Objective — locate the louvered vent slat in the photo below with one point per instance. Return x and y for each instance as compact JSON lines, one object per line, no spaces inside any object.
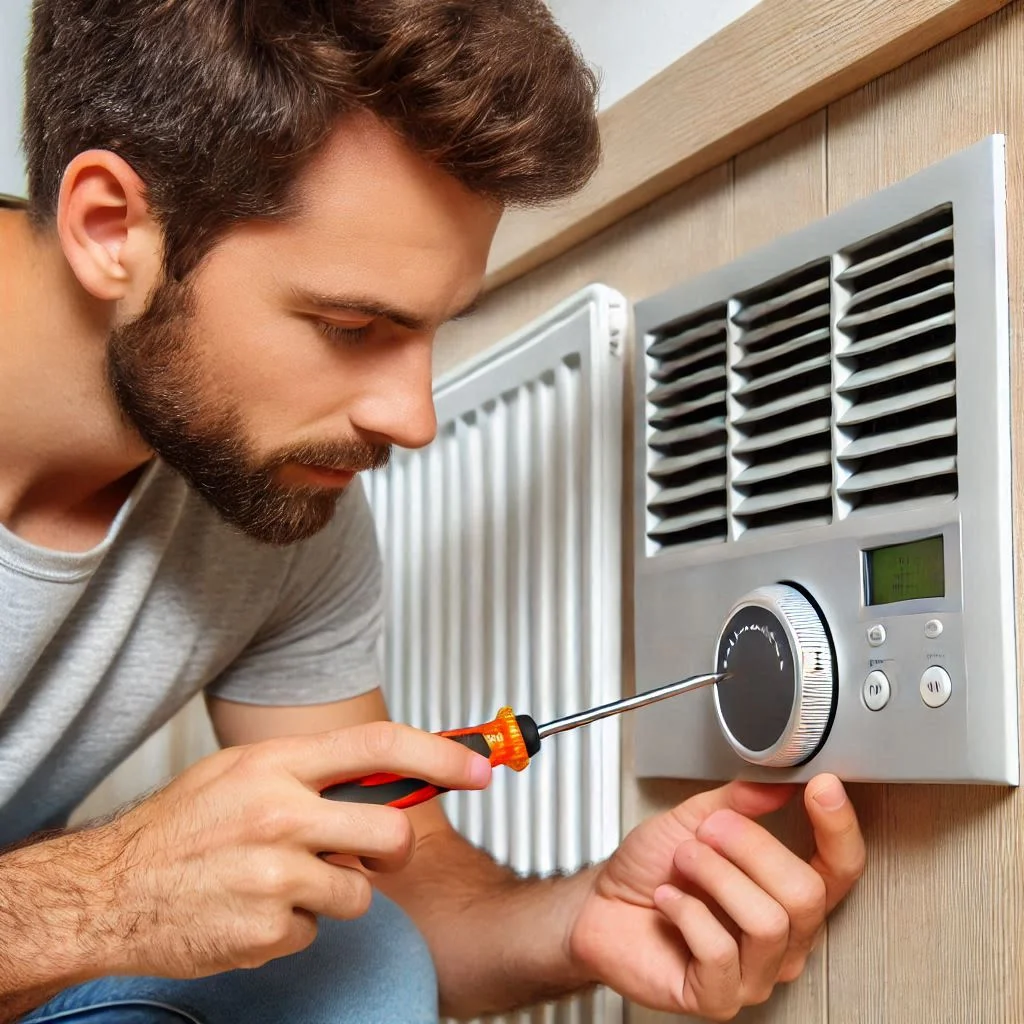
{"x":783,"y":401}
{"x":869,"y":444}
{"x":774,"y":470}
{"x":786,"y":404}
{"x":774,"y":501}
{"x":686,"y":418}
{"x":813,"y":338}
{"x":675,"y":368}
{"x":902,"y":473}
{"x":897,"y":368}
{"x":883,"y":408}
{"x":901,"y":304}
{"x":779,"y":438}
{"x":870,"y":264}
{"x":665,"y":468}
{"x":899,"y":336}
{"x":770,"y":379}
{"x":897,"y":343}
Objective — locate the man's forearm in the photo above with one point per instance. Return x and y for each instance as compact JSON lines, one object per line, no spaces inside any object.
{"x":52,"y":899}
{"x":500,"y":942}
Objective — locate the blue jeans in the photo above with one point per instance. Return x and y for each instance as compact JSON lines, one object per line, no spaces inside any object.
{"x":374,"y":970}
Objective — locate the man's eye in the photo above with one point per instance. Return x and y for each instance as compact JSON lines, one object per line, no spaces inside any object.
{"x":348,"y":335}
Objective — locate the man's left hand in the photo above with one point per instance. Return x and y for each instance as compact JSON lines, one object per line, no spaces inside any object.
{"x":702,"y":911}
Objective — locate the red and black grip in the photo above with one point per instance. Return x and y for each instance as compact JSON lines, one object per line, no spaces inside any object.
{"x":397,"y":790}
{"x":400,"y":791}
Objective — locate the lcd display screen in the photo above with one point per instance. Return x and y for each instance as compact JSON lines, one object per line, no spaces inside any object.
{"x":905,"y":572}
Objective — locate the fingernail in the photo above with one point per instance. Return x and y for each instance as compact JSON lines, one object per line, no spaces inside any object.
{"x":481,"y":771}
{"x":830,"y":796}
{"x":666,"y":894}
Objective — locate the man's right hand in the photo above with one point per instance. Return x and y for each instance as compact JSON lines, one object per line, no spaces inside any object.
{"x":223,"y":868}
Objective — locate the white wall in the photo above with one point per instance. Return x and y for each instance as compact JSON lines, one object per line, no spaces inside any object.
{"x":632,"y":40}
{"x":14,"y":16}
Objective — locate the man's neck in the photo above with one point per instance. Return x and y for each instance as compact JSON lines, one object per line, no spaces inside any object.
{"x":67,"y":460}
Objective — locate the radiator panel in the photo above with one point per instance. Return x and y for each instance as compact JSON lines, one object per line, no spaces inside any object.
{"x":501,"y":544}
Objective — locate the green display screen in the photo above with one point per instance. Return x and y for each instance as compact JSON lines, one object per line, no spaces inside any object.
{"x":905,"y":572}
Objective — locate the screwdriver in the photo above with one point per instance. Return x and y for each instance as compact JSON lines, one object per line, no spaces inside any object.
{"x":509,"y":739}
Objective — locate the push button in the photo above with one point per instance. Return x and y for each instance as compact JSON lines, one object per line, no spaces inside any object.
{"x":876,"y":690}
{"x":936,"y":686}
{"x":876,"y":635}
{"x":933,"y":629}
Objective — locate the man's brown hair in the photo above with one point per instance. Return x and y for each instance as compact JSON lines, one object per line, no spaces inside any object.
{"x":219,"y":104}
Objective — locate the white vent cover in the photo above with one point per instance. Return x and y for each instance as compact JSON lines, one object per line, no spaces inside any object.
{"x":817,"y":414}
{"x":502,"y":555}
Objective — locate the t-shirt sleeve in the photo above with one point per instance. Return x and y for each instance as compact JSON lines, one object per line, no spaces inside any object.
{"x":320,"y":644}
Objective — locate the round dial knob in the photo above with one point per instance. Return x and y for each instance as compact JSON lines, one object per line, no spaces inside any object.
{"x":777,"y":704}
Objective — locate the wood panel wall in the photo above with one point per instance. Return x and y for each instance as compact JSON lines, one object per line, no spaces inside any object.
{"x":933,"y":934}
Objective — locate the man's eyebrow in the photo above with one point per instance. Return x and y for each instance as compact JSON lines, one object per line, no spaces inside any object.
{"x":373,"y":308}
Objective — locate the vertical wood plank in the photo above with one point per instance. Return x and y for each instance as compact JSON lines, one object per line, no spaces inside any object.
{"x":782,"y":185}
{"x":934,"y":930}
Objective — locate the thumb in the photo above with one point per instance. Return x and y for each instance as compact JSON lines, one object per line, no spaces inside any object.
{"x":840,"y":852}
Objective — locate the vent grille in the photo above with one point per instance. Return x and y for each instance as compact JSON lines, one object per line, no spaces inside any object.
{"x":897,"y":349}
{"x":783,"y":412}
{"x":823,"y":392}
{"x":687,"y":499}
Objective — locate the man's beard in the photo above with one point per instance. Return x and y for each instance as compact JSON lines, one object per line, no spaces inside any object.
{"x":154,"y":373}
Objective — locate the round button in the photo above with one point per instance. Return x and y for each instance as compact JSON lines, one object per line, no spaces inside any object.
{"x":876,"y":635}
{"x":936,"y":686}
{"x":933,"y":629}
{"x":876,"y":690}
{"x":777,"y":704}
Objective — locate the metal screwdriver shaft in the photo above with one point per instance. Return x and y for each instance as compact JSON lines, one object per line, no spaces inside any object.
{"x":641,"y":700}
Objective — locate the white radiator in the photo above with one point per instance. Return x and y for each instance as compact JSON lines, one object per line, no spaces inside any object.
{"x":501,"y":547}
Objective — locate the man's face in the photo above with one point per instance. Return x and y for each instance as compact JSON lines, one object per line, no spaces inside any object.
{"x":300,"y":350}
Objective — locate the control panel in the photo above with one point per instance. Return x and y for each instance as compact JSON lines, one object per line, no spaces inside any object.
{"x":823,"y":500}
{"x":852,"y":658}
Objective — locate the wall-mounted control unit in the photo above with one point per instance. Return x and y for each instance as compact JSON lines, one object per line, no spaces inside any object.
{"x":823,"y":500}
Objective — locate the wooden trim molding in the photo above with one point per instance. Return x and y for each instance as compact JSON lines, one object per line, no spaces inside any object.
{"x":779,"y":63}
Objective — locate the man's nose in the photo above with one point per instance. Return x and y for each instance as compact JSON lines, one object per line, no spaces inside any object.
{"x":397,"y":406}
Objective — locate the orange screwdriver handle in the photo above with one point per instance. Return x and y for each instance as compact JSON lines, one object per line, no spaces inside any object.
{"x":510,"y":740}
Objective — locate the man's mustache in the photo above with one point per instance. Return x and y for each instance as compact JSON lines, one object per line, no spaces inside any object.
{"x":343,"y":456}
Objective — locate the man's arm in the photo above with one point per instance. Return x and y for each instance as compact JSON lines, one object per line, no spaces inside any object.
{"x":219,"y":869}
{"x":699,"y":911}
{"x":56,"y":924}
{"x":499,"y":942}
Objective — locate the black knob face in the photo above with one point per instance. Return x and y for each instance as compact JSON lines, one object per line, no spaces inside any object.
{"x":776,"y":705}
{"x":756,"y":701}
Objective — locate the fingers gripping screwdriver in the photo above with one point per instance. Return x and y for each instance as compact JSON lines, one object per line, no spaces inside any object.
{"x":509,"y":739}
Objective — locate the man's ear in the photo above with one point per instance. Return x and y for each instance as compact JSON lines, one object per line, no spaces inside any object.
{"x":109,"y":238}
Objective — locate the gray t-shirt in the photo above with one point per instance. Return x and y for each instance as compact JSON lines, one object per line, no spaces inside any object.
{"x":98,"y":649}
